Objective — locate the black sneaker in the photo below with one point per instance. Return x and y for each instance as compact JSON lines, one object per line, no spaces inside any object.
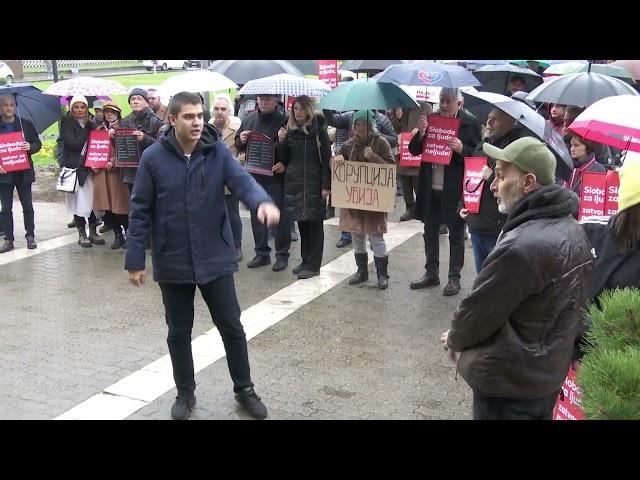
{"x":182,"y":407}
{"x":252,"y":403}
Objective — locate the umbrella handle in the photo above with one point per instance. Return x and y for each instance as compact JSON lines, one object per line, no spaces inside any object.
{"x":466,"y":186}
{"x":15,"y":100}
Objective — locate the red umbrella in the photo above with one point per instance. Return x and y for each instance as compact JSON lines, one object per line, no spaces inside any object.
{"x":612,"y":121}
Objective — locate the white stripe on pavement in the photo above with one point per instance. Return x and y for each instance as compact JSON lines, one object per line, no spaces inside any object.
{"x":127,"y":396}
{"x":44,"y":246}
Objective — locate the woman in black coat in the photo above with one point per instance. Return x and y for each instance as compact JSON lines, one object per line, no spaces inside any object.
{"x":616,"y":241}
{"x":305,"y":151}
{"x":74,"y":131}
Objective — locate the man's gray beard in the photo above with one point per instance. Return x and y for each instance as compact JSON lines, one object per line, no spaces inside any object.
{"x":513,"y":199}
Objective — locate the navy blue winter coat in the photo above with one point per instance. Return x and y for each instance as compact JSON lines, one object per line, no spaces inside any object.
{"x":181,"y":203}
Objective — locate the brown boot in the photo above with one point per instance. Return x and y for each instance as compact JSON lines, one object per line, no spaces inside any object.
{"x":83,"y":241}
{"x":93,"y":235}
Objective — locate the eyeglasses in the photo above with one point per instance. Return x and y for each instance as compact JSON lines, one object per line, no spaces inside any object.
{"x":221,"y":109}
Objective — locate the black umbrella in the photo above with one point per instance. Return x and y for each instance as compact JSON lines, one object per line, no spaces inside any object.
{"x":308,"y":67}
{"x":580,"y":89}
{"x":241,"y":71}
{"x":496,"y":78}
{"x":33,"y":105}
{"x":367,"y":66}
{"x":481,"y":103}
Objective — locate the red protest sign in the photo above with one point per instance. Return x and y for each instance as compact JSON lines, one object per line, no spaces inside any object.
{"x":328,"y":72}
{"x":568,"y":406}
{"x":406,"y":159}
{"x":471,"y":192}
{"x":436,"y":147}
{"x":12,"y":157}
{"x":611,"y":202}
{"x":592,"y":194}
{"x":98,"y":149}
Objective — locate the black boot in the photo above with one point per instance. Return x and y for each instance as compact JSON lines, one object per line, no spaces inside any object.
{"x":93,"y":235}
{"x":362,"y":275}
{"x":119,"y":241}
{"x":408,"y":215}
{"x":72,"y":223}
{"x":381,"y":266}
{"x":83,"y":241}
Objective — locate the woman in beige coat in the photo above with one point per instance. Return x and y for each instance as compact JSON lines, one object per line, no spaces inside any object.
{"x":366,"y":146}
{"x":110,"y":194}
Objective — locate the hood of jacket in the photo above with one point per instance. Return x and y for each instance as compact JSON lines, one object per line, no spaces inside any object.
{"x":550,"y":201}
{"x":208,"y":140}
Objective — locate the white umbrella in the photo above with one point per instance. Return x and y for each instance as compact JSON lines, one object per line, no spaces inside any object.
{"x":613,"y":121}
{"x":285,"y":84}
{"x":195,"y":81}
{"x":87,"y":86}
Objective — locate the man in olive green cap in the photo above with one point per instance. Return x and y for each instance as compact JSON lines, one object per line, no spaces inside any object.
{"x":515,"y":331}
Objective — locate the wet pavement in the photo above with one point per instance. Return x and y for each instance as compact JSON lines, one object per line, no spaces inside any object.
{"x":72,"y":331}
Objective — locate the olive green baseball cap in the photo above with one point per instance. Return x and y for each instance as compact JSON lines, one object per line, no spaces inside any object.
{"x":528,"y":154}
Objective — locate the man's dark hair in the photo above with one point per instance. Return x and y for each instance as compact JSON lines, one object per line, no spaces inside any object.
{"x":182,"y":98}
{"x":517,"y":78}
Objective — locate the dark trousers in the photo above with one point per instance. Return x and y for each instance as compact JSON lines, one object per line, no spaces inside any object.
{"x":233,"y":210}
{"x":409,"y":187}
{"x":482,"y":245}
{"x":497,"y":408}
{"x":80,"y":221}
{"x":26,"y":200}
{"x":283,"y":229}
{"x":116,"y":221}
{"x":432,"y":240}
{"x":220,"y":297}
{"x":311,"y":244}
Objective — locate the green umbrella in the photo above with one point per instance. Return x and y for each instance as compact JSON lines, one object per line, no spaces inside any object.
{"x":525,"y":63}
{"x":577,"y":67}
{"x":366,"y":95}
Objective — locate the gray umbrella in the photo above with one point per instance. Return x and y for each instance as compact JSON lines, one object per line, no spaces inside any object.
{"x":241,"y":71}
{"x":368,"y":66}
{"x":308,"y":67}
{"x":481,"y":103}
{"x":495,"y":78}
{"x":580,"y":89}
{"x":428,"y":74}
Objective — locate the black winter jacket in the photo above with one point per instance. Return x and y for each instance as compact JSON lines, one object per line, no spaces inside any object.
{"x":147,"y":122}
{"x":30,"y":135}
{"x":308,"y":171}
{"x":470,"y":135}
{"x":75,"y":137}
{"x":516,"y":329}
{"x":268,"y":124}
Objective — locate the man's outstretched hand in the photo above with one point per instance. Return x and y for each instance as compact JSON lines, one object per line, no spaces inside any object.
{"x":268,"y":213}
{"x":136,"y":277}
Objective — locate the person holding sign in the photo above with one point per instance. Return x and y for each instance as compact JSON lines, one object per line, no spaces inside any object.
{"x":178,"y":200}
{"x":20,"y":180}
{"x":366,"y":146}
{"x":439,"y":192}
{"x":146,"y":126}
{"x":615,"y":241}
{"x":264,"y":125}
{"x":583,"y":153}
{"x":485,"y":226}
{"x":305,"y":151}
{"x":110,"y":194}
{"x":516,"y":329}
{"x":74,"y":130}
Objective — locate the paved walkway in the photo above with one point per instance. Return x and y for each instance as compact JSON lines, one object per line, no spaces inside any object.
{"x":77,"y":341}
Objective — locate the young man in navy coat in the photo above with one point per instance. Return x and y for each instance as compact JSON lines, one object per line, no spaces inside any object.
{"x":178,"y":199}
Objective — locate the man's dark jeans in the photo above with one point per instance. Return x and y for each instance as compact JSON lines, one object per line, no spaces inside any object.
{"x":220,"y":297}
{"x":432,"y":240}
{"x":497,"y":408}
{"x":26,"y":199}
{"x":283,"y":229}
